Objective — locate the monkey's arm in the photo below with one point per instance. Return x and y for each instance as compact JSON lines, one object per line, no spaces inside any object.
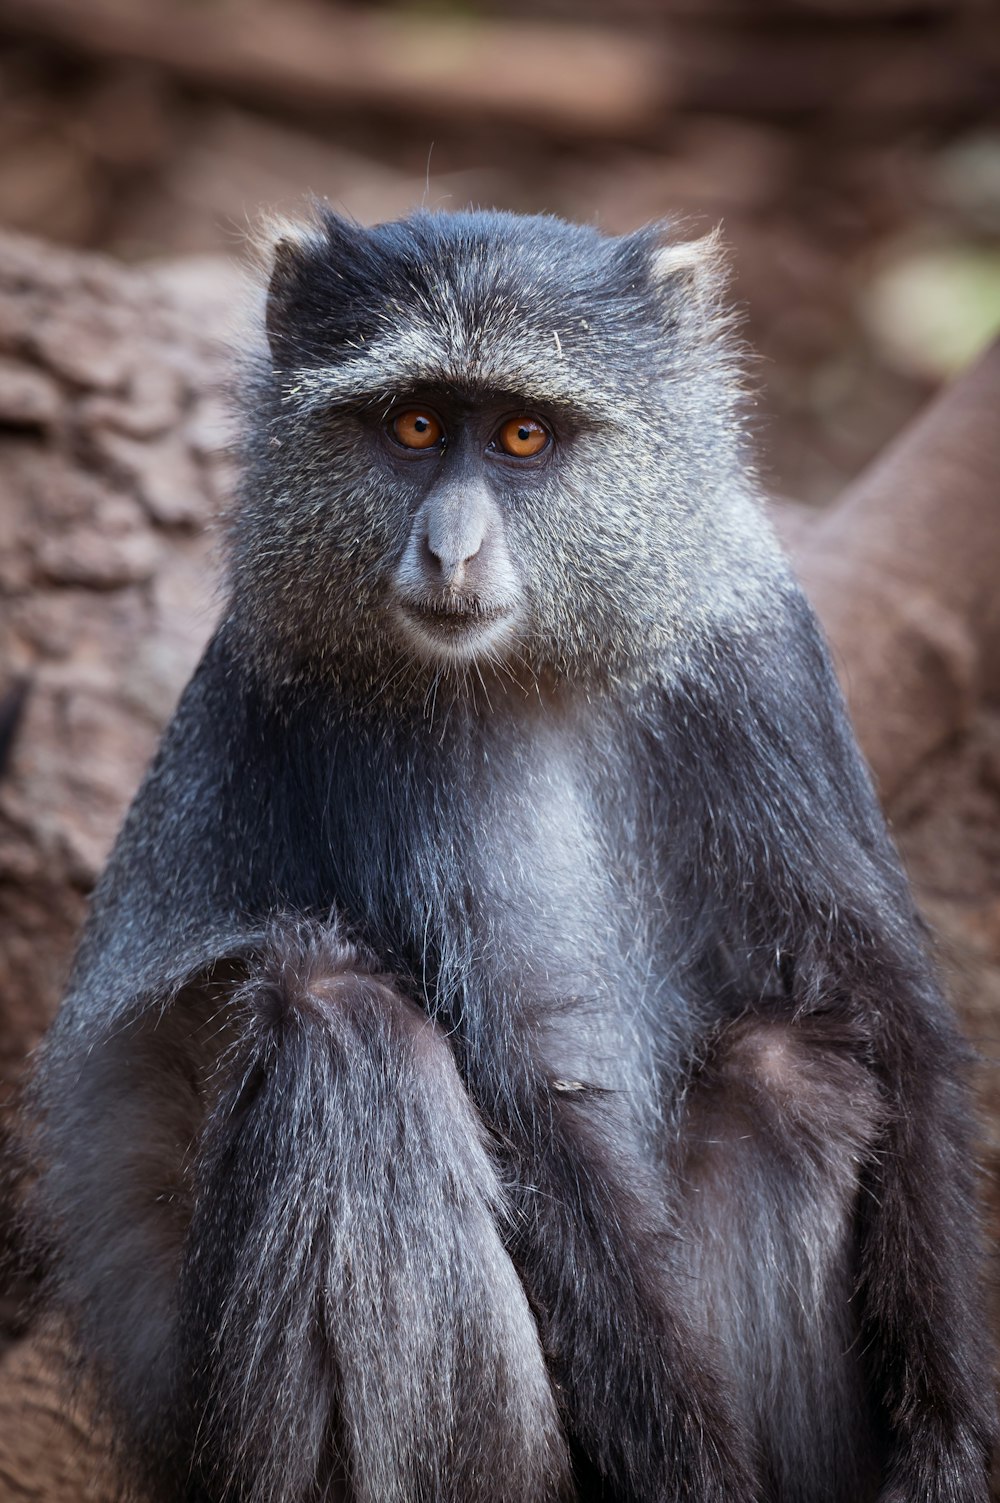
{"x":923,"y":1321}
{"x":789,"y":868}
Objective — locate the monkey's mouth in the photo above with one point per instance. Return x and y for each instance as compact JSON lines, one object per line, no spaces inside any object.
{"x":455,"y":626}
{"x":455,"y":613}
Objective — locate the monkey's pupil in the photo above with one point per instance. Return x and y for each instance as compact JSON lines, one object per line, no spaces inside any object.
{"x":421,"y":425}
{"x":524,"y":434}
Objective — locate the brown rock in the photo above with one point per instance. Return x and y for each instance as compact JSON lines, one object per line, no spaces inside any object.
{"x":163,"y":474}
{"x":51,"y":1449}
{"x":28,"y":398}
{"x":105,"y":580}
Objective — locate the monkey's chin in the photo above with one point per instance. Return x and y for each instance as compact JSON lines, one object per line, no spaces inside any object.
{"x":456,"y":636}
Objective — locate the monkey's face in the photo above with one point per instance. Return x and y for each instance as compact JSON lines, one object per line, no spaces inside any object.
{"x":456,"y":593}
{"x":483,"y":441}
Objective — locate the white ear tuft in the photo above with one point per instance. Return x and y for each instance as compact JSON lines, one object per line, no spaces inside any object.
{"x":697,"y":264}
{"x":283,"y":246}
{"x":277,"y":237}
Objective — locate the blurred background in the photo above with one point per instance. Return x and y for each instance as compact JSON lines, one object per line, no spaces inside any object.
{"x":850,"y":149}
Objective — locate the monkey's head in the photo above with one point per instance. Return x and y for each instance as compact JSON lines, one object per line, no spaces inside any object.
{"x":485,"y":441}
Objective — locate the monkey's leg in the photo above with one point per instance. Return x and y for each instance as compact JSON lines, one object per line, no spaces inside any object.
{"x":776,"y":1121}
{"x":645,"y":1405}
{"x":842,"y":1295}
{"x":348,"y":1322}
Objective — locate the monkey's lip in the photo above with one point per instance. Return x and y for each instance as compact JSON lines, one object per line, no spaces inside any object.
{"x":454,"y":614}
{"x":455,"y":628}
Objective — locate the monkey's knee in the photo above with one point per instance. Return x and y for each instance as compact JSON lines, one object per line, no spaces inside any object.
{"x":329,"y":1055}
{"x":313,"y":1005}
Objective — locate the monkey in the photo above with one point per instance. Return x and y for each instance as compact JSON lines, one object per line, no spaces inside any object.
{"x":503,"y":1060}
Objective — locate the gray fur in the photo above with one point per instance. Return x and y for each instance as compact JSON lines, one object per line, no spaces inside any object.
{"x":501,"y":1062}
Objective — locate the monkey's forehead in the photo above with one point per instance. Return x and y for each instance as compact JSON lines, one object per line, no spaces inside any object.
{"x":542,"y":367}
{"x":552,"y":311}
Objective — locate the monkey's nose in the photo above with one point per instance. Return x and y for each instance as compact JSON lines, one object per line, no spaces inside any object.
{"x":446,"y":559}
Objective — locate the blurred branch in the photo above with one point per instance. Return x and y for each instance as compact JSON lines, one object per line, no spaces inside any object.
{"x":585,"y":79}
{"x":904,"y":573}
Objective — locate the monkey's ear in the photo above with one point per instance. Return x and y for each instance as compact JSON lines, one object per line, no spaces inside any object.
{"x":694,"y":269}
{"x":287,"y":251}
{"x":305,"y":263}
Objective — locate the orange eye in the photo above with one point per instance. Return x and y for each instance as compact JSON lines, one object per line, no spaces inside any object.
{"x":417,"y":429}
{"x":523,"y":437}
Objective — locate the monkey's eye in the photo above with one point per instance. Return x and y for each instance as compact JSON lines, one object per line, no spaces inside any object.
{"x":523,"y":437}
{"x":416,"y":429}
